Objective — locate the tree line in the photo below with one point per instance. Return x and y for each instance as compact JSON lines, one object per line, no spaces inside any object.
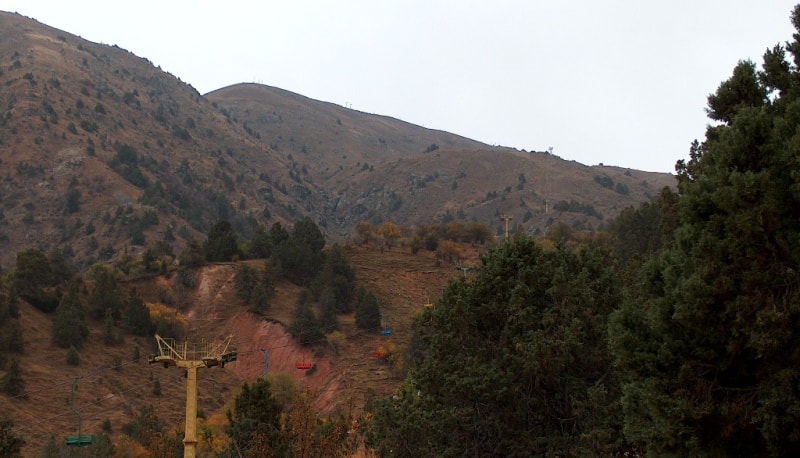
{"x":677,"y":336}
{"x":73,"y":300}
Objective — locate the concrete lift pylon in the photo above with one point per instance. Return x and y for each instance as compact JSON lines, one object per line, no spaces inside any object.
{"x":191,"y":359}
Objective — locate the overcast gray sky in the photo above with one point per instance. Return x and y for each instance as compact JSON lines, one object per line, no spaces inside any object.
{"x":622,"y":82}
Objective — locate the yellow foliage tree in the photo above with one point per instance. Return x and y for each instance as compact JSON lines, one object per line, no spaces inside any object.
{"x":390,"y":233}
{"x":449,"y":250}
{"x":364,"y":232}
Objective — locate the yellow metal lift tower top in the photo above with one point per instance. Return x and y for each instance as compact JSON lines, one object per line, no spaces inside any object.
{"x":191,"y":358}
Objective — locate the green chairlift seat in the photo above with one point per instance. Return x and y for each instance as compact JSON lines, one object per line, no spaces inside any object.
{"x":80,"y":440}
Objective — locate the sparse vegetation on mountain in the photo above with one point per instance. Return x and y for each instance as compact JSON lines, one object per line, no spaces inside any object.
{"x":145,"y":427}
{"x":577,"y":207}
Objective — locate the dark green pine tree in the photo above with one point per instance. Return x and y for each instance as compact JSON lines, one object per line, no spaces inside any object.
{"x":512,"y":363}
{"x":245,"y":281}
{"x":12,"y":382}
{"x":32,"y":272}
{"x":259,"y":300}
{"x":277,"y":235}
{"x":254,"y":423}
{"x":637,"y":233}
{"x":9,"y":308}
{"x":300,"y":257}
{"x":368,"y":314}
{"x":708,"y":339}
{"x":104,"y":295}
{"x":110,"y":334}
{"x":259,"y":245}
{"x":192,"y":254}
{"x":305,"y":324}
{"x":336,"y":281}
{"x":136,"y":316}
{"x":69,"y":322}
{"x":10,"y":443}
{"x":221,"y":243}
{"x":306,"y":233}
{"x":11,"y":339}
{"x":328,"y":318}
{"x":73,"y":358}
{"x":32,"y":275}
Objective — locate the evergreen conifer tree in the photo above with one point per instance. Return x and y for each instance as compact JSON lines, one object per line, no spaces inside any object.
{"x":69,"y":321}
{"x":305,"y":323}
{"x":136,"y":316}
{"x":10,"y":443}
{"x":104,"y":296}
{"x":512,"y":363}
{"x":12,"y":382}
{"x":254,"y":422}
{"x":707,"y":339}
{"x":221,"y":244}
{"x":368,"y":314}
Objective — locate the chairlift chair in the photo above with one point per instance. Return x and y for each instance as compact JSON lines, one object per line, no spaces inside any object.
{"x":302,"y":365}
{"x":266,"y":363}
{"x":384,"y":327}
{"x":81,"y":439}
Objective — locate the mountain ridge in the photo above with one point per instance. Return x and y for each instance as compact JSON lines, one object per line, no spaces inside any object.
{"x":106,"y":155}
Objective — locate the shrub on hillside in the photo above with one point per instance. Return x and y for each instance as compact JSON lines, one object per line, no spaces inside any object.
{"x":368,"y":314}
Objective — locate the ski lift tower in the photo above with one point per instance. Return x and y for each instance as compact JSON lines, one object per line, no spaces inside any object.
{"x":463,"y":268}
{"x":191,"y":358}
{"x":506,"y":219}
